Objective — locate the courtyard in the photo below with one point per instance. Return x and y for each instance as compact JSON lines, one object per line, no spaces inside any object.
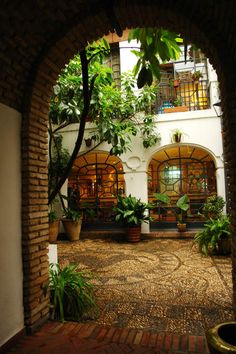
{"x":162,"y":285}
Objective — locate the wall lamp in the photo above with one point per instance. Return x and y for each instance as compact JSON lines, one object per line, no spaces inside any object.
{"x":217,"y":108}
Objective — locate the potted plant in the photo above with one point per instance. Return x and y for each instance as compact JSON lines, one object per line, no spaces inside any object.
{"x":178,"y":101}
{"x":72,"y":223}
{"x":197,"y":75}
{"x":177,"y":105}
{"x":54,"y":223}
{"x":176,"y":83}
{"x":159,"y":201}
{"x":176,"y":135}
{"x":213,"y":207}
{"x":182,"y":207}
{"x":89,"y":140}
{"x":215,"y":237}
{"x":132,"y":212}
{"x":71,"y":292}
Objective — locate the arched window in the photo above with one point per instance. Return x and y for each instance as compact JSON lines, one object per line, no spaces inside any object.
{"x":96,"y":179}
{"x":182,"y":170}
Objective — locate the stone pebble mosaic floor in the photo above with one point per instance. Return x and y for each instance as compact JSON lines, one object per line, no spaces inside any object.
{"x":155,"y":285}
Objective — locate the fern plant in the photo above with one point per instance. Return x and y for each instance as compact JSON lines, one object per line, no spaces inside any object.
{"x":71,"y":292}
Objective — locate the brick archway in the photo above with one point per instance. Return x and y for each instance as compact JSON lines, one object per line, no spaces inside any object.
{"x":195,"y":24}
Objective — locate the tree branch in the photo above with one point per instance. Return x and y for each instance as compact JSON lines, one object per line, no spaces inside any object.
{"x":84,"y":114}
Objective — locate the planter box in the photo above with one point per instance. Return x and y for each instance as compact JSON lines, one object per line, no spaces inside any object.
{"x":176,"y":109}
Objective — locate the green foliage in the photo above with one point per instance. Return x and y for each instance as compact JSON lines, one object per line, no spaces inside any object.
{"x":177,"y":135}
{"x":178,"y":101}
{"x":146,"y":99}
{"x":58,"y":161}
{"x":197,"y":75}
{"x":52,"y":216}
{"x":183,"y":206}
{"x":71,"y":292}
{"x":157,"y":45}
{"x":110,"y":108}
{"x":131,"y":211}
{"x":214,"y":230}
{"x":150,"y":137}
{"x":67,"y":99}
{"x":72,"y":214}
{"x":118,"y":134}
{"x":213,"y":207}
{"x":162,"y":198}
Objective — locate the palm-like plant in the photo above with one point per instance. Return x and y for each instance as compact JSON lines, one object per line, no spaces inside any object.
{"x":71,"y":292}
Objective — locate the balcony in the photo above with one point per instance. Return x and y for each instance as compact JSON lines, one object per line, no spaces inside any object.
{"x":183,"y":90}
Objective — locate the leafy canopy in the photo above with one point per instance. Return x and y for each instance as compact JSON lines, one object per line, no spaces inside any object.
{"x":157,"y":46}
{"x":85,"y":89}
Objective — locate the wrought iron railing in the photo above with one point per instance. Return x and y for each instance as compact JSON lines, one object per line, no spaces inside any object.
{"x":185,"y":96}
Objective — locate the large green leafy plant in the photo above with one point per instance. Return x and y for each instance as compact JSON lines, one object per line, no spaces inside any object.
{"x":157,"y":46}
{"x":182,"y":204}
{"x":71,"y":292}
{"x":214,"y":231}
{"x":131,"y":211}
{"x":182,"y":208}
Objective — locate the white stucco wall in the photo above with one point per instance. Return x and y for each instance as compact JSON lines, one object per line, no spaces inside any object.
{"x":202,"y":129}
{"x":11,"y":277}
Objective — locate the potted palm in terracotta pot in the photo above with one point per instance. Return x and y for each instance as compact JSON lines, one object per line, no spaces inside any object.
{"x":132,"y":212}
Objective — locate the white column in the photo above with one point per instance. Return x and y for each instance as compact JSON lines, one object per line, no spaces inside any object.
{"x":220,"y":183}
{"x":136,"y":185}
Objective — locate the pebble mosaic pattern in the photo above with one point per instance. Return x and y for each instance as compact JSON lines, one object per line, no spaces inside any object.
{"x":164,"y":285}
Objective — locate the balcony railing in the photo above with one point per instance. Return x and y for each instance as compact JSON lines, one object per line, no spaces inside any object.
{"x":186,"y":95}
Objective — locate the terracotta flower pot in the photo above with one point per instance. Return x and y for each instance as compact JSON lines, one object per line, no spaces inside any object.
{"x":72,"y":228}
{"x":176,"y":83}
{"x":181,"y":227}
{"x":53,"y":230}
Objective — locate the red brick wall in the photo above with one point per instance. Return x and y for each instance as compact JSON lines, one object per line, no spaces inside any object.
{"x":39,"y":39}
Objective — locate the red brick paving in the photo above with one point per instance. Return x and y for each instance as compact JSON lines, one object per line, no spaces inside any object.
{"x":77,"y":338}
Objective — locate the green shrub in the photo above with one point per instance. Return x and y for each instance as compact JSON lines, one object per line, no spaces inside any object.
{"x":131,"y":211}
{"x":71,"y":292}
{"x":213,"y":207}
{"x":214,"y":230}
